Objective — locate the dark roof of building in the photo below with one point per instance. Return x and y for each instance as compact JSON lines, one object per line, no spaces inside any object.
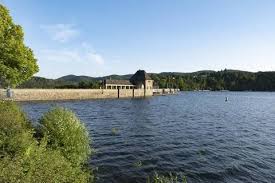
{"x":117,"y":82}
{"x":139,"y":76}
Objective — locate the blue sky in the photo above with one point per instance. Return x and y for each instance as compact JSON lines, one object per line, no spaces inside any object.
{"x":97,"y":38}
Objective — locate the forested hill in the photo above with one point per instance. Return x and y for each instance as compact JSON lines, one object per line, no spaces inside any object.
{"x":70,"y":81}
{"x":232,"y":80}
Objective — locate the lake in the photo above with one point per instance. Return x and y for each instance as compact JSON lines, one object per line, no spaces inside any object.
{"x":196,"y":134}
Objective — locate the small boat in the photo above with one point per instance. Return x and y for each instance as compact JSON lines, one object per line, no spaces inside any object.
{"x":226,"y":99}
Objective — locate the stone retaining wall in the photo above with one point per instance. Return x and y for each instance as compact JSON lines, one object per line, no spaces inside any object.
{"x":70,"y":94}
{"x":78,"y":94}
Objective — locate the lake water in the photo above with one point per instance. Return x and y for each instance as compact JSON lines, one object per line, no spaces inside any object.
{"x":196,"y":134}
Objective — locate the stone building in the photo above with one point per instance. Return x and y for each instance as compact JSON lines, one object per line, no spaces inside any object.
{"x":140,"y":80}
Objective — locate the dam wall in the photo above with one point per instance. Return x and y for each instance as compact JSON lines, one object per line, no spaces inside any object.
{"x":75,"y":94}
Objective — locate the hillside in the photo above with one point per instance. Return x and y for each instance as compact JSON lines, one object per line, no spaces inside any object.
{"x":70,"y":81}
{"x":233,"y":80}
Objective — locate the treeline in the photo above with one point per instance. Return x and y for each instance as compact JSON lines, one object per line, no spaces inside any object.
{"x":39,"y":82}
{"x":81,"y":85}
{"x":232,"y":80}
{"x":222,"y":80}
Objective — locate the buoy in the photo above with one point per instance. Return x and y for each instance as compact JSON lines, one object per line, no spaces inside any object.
{"x":226,"y":99}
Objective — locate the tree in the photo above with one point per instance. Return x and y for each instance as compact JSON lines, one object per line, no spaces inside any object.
{"x":181,"y":84}
{"x":17,"y":62}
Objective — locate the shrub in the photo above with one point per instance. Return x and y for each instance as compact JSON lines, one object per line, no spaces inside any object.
{"x":12,"y":117}
{"x":65,"y":133}
{"x":40,"y":165}
{"x":15,"y":129}
{"x":24,"y":158}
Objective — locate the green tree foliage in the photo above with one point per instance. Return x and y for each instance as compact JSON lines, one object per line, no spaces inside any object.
{"x":17,"y":62}
{"x":91,"y":84}
{"x":39,"y":82}
{"x":39,"y":164}
{"x":222,"y":80}
{"x":23,"y":158}
{"x":65,"y":133}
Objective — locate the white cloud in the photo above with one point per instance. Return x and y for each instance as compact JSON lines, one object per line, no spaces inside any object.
{"x":95,"y":57}
{"x":84,"y":54}
{"x":61,"y":32}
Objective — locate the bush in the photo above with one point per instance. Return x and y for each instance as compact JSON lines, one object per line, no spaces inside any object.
{"x":15,"y":129}
{"x":12,"y":119}
{"x":40,"y":165}
{"x":65,"y":133}
{"x":24,"y":158}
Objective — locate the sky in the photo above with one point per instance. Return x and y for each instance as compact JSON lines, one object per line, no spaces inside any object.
{"x":97,"y":38}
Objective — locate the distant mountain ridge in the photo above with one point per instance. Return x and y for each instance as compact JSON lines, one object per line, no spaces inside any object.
{"x":77,"y":78}
{"x":81,"y":78}
{"x":69,"y":81}
{"x":74,"y":78}
{"x":228,"y":79}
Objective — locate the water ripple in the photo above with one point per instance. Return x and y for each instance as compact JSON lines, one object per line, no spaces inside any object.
{"x":195,"y":133}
